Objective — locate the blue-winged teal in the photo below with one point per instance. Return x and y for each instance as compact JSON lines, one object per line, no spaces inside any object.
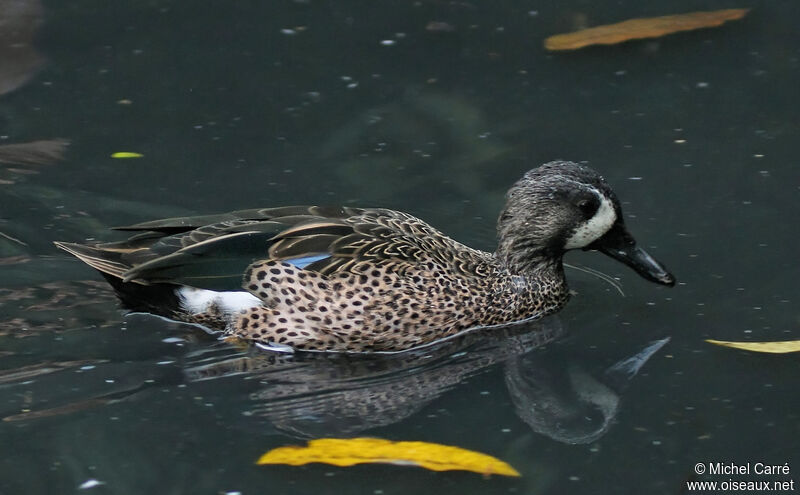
{"x":367,"y":279}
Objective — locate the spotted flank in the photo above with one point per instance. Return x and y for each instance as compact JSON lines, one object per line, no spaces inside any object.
{"x":345,"y":279}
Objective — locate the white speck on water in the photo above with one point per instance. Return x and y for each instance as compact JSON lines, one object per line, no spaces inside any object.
{"x":399,"y":35}
{"x":388,"y":42}
{"x":109,"y":380}
{"x":656,"y":442}
{"x":88,"y":367}
{"x":620,"y":73}
{"x":634,"y":178}
{"x":352,"y":85}
{"x":506,"y":430}
{"x":485,"y":392}
{"x":679,"y":141}
{"x":168,"y":361}
{"x":574,"y":478}
{"x":758,"y":155}
{"x":288,"y":32}
{"x":533,"y":13}
{"x":90,"y":483}
{"x":346,"y":78}
{"x":702,"y":84}
{"x":173,"y":340}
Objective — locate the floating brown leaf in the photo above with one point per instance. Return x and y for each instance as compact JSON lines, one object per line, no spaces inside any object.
{"x":650,"y":27}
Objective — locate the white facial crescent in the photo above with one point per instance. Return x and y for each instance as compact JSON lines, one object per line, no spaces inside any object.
{"x":594,"y":228}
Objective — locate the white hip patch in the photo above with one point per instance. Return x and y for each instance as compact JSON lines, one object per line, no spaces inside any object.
{"x":195,"y":301}
{"x":594,"y":228}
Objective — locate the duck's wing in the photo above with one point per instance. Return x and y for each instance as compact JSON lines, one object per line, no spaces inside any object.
{"x":214,"y":251}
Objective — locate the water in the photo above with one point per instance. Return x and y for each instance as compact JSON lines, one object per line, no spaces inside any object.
{"x":245,"y":104}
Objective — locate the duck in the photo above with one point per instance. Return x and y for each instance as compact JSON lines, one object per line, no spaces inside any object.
{"x":367,"y":280}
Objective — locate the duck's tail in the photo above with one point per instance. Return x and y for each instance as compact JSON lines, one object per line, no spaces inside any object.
{"x":107,"y":262}
{"x":157,"y":298}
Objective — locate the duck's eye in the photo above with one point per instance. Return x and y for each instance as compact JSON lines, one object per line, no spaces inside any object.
{"x":588,"y":207}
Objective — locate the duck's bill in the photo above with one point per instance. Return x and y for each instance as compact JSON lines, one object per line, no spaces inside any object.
{"x":621,"y":246}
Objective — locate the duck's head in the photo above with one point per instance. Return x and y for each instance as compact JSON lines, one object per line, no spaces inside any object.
{"x":562,"y":206}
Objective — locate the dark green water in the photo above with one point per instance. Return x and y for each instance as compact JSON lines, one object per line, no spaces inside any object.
{"x":244,"y":104}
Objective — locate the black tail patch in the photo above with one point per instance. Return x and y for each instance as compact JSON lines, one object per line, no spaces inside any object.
{"x":159,"y":299}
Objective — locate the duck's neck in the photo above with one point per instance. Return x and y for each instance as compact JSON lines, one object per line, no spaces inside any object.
{"x":546,"y":270}
{"x":534,"y":287}
{"x":531,"y":262}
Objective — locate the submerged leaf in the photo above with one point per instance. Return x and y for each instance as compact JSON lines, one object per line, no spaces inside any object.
{"x":351,"y":451}
{"x":19,"y":59}
{"x":649,"y":27}
{"x":780,"y":347}
{"x":42,"y":152}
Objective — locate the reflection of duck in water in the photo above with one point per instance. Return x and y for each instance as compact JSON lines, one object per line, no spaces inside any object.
{"x":556,"y":391}
{"x":558,"y":398}
{"x":361,"y":280}
{"x":313,"y":395}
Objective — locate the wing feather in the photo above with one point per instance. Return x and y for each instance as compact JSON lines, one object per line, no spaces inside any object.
{"x":213,"y":251}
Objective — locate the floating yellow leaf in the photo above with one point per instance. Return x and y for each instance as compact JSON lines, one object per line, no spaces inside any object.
{"x":650,"y":27}
{"x":126,"y":154}
{"x":780,"y":347}
{"x":350,"y":451}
